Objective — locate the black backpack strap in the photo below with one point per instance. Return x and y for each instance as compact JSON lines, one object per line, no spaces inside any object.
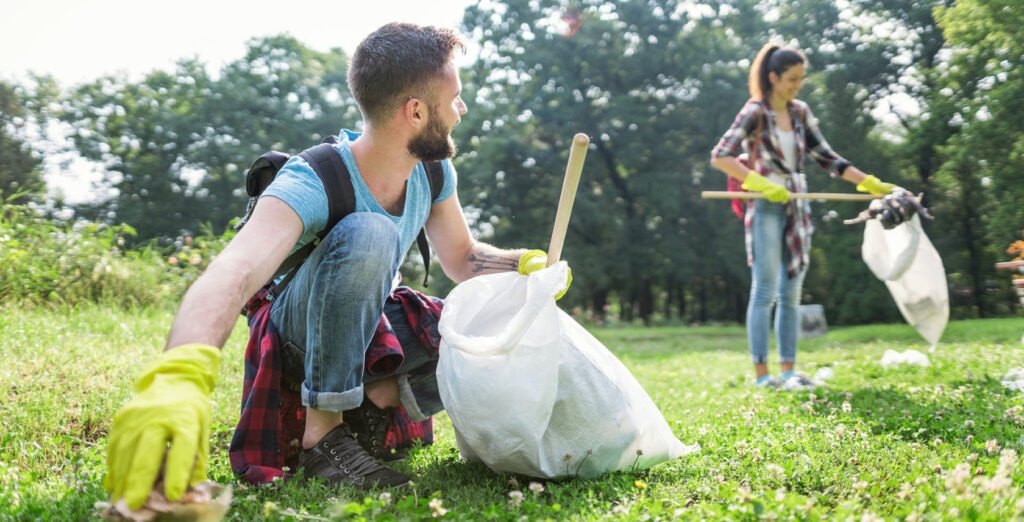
{"x":435,"y":176}
{"x":341,"y":201}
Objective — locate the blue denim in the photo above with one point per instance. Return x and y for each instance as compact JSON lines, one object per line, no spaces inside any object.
{"x":332,"y":307}
{"x":770,"y":284}
{"x":417,"y":376}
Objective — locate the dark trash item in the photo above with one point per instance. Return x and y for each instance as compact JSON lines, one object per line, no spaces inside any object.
{"x":892,"y":210}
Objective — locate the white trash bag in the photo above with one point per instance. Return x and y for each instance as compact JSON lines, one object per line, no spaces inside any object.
{"x":905,"y":259}
{"x":530,"y":391}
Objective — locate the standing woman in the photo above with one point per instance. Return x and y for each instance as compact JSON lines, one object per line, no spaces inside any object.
{"x":776,"y":131}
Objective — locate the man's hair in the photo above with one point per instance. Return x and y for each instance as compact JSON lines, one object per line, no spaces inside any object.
{"x":397,"y":61}
{"x":771,"y":59}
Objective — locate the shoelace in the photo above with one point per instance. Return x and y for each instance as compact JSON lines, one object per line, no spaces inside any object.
{"x":361,"y":463}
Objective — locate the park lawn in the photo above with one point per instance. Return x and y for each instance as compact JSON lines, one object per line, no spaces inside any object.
{"x":935,"y":443}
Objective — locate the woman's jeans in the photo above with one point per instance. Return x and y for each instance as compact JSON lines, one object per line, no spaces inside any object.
{"x":332,"y":306}
{"x":771,"y":284}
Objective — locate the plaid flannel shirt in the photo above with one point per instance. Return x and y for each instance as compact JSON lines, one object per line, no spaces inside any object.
{"x":269,"y":432}
{"x":740,"y":139}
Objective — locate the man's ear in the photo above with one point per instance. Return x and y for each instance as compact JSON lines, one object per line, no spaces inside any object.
{"x":414,"y":112}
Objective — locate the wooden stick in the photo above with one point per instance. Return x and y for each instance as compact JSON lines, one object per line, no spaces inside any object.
{"x":573,"y":171}
{"x":827,"y":196}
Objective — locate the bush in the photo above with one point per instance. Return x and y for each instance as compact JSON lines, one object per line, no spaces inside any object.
{"x":48,"y":261}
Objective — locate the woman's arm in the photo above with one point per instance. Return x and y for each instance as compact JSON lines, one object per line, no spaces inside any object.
{"x":730,"y":146}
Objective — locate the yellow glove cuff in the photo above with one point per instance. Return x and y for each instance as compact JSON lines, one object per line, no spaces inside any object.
{"x":200,"y":362}
{"x":532,"y":261}
{"x":875,"y":186}
{"x":754,"y":181}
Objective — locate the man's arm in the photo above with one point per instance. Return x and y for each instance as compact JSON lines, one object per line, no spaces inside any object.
{"x":210,"y":308}
{"x":172,"y":396}
{"x":461,"y":256}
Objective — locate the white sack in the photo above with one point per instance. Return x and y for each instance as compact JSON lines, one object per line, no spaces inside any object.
{"x":905,"y":259}
{"x":530,"y":391}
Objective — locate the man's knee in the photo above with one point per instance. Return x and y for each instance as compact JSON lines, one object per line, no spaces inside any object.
{"x":366,"y":236}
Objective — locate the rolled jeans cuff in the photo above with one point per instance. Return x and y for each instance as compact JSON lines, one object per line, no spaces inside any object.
{"x":336,"y":402}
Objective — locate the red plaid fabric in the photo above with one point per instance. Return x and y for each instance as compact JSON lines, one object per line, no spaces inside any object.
{"x":269,"y":432}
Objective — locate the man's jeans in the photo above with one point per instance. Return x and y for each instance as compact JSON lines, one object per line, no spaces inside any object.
{"x":332,"y":307}
{"x":771,"y":283}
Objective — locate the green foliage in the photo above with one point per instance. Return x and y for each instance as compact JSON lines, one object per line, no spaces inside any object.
{"x":177,"y":143}
{"x":891,"y":443}
{"x":20,"y":175}
{"x":47,"y":261}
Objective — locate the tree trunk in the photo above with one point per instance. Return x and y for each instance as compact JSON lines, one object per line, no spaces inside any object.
{"x":645,"y":301}
{"x":599,"y":304}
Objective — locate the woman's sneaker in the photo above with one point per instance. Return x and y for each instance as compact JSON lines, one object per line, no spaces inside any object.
{"x":766,"y":381}
{"x":792,"y":380}
{"x":339,"y":459}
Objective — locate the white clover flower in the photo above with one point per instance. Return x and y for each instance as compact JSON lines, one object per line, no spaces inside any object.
{"x":536,"y":488}
{"x":436,"y":509}
{"x":515,"y":497}
{"x":846,"y":407}
{"x":959,"y":478}
{"x":991,"y":446}
{"x":385,"y":498}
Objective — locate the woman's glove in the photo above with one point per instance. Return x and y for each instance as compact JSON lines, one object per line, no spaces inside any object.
{"x":534,"y":260}
{"x":172,"y":404}
{"x":875,"y":186}
{"x":772,"y":192}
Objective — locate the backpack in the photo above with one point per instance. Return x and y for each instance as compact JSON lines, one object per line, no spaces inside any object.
{"x":341,"y":199}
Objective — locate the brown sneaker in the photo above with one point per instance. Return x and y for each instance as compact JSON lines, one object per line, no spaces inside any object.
{"x":339,"y":459}
{"x":370,"y":426}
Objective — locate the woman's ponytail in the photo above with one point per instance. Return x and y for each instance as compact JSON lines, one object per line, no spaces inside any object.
{"x":771,"y":58}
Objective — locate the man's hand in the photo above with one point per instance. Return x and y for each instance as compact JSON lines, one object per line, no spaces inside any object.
{"x":172,"y":404}
{"x":772,"y":191}
{"x":534,"y":260}
{"x":875,"y":186}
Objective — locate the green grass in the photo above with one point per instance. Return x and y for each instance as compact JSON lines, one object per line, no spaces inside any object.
{"x":903,"y":443}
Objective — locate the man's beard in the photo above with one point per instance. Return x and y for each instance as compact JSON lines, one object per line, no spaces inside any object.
{"x":434,"y":142}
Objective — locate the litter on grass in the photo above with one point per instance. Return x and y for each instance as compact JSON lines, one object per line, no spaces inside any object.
{"x":205,"y":502}
{"x":1014,"y":379}
{"x":893,"y":358}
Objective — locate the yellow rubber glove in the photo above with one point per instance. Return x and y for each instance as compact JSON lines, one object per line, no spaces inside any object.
{"x":875,"y":186}
{"x":772,"y":191}
{"x":172,"y":404}
{"x":534,"y":260}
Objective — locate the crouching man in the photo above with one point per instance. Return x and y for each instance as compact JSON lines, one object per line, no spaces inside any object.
{"x":408,"y":90}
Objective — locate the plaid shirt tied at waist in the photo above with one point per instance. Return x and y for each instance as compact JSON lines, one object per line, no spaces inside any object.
{"x":269,"y":432}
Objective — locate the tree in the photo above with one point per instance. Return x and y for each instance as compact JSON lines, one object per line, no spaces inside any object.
{"x":20,"y":173}
{"x":177,"y":144}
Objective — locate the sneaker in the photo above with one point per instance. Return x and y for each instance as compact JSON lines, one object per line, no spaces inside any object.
{"x":370,"y":426}
{"x":792,"y":380}
{"x":767,"y":381}
{"x":339,"y":459}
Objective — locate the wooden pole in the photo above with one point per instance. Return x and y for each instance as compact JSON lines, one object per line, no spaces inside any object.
{"x":573,"y":171}
{"x":827,"y":196}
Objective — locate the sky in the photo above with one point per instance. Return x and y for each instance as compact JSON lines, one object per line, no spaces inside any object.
{"x":77,"y":41}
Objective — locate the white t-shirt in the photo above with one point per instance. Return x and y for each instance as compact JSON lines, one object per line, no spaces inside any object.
{"x":787,"y":142}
